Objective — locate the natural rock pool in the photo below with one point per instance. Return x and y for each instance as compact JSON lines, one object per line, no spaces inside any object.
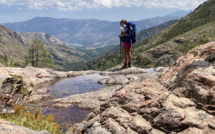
{"x":67,"y":87}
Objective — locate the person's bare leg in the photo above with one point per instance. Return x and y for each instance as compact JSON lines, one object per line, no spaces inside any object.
{"x":125,"y":57}
{"x":129,"y":56}
{"x":129,"y":53}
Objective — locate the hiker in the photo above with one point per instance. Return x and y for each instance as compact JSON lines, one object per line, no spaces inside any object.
{"x":125,"y":45}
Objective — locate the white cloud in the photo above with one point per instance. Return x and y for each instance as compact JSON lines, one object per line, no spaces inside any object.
{"x":98,"y":4}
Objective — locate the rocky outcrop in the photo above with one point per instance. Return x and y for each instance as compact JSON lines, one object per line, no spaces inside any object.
{"x":179,"y":100}
{"x":119,"y":114}
{"x":7,"y":127}
{"x":36,"y":77}
{"x":11,"y":88}
{"x":159,"y":56}
{"x":192,"y":77}
{"x":30,"y":79}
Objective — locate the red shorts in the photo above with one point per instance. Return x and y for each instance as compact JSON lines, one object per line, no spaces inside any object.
{"x":125,"y":44}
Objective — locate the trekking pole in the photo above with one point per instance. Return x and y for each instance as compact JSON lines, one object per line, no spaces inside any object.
{"x":120,"y":51}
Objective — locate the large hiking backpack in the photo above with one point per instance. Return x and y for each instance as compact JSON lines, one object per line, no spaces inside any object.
{"x":130,"y":33}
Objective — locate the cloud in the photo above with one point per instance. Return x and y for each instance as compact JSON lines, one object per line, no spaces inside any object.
{"x":98,"y":4}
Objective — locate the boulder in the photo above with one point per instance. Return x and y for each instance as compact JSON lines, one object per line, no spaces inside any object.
{"x":6,"y":82}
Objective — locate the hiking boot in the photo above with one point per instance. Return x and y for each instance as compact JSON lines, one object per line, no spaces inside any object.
{"x":124,"y":66}
{"x":129,"y":64}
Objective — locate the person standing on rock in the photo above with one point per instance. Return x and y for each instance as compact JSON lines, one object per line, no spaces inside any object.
{"x":125,"y":45}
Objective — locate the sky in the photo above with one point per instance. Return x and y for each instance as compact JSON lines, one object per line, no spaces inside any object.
{"x":113,"y":10}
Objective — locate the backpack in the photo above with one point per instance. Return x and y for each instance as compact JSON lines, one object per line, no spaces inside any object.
{"x":130,"y":33}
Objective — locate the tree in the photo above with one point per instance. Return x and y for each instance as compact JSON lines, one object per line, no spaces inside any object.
{"x":38,"y":56}
{"x":4,"y":60}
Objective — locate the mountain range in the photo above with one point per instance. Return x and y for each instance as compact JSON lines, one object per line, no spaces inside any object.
{"x":88,"y":32}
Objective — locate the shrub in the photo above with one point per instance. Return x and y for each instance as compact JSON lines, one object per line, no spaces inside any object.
{"x":34,"y":120}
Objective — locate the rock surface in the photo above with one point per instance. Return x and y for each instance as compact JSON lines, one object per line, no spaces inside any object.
{"x":179,"y":100}
{"x":87,"y":101}
{"x":13,"y":80}
{"x":123,"y":76}
{"x":36,"y":77}
{"x":119,"y":71}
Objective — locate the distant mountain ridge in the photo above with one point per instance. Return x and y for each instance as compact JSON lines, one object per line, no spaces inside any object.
{"x":13,"y":45}
{"x":45,"y":38}
{"x":88,"y":32}
{"x":179,"y":13}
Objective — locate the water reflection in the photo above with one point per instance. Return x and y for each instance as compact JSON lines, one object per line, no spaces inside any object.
{"x":76,"y":85}
{"x":67,"y":116}
{"x":67,"y":87}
